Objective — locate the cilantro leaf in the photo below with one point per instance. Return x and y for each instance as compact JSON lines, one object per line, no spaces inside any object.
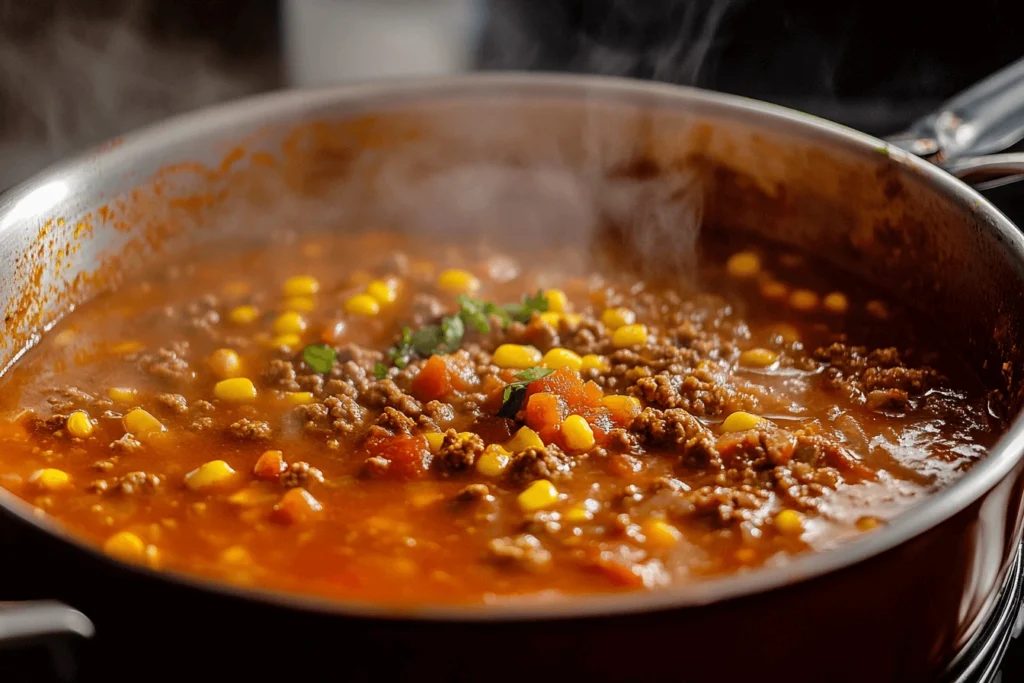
{"x":380,"y":371}
{"x":515,"y":393}
{"x":319,"y":357}
{"x":523,"y":311}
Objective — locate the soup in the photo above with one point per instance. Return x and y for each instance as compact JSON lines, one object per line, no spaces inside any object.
{"x":372,"y":417}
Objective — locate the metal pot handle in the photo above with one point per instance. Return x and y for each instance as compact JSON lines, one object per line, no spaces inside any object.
{"x":34,"y":620}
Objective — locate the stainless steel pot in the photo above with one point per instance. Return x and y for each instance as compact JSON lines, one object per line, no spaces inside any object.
{"x":532,"y":154}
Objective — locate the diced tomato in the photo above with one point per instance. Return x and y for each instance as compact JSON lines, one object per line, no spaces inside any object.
{"x":618,"y":573}
{"x":270,"y":466}
{"x":333,"y":333}
{"x":433,"y":382}
{"x":551,"y":434}
{"x":409,"y":455}
{"x":462,"y":375}
{"x":566,"y":384}
{"x":544,"y":410}
{"x":601,"y":423}
{"x":593,"y":393}
{"x":297,"y":505}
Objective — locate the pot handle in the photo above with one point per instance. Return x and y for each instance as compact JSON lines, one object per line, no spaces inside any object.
{"x":987,"y":172}
{"x":28,"y":621}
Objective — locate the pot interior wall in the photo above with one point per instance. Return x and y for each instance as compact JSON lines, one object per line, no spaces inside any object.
{"x":533,"y":163}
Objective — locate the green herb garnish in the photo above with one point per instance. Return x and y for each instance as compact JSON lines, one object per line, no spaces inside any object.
{"x":514,"y":394}
{"x":319,"y":357}
{"x":380,"y":371}
{"x":523,"y":311}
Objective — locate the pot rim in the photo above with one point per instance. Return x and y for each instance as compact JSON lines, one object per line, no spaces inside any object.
{"x":277,"y":106}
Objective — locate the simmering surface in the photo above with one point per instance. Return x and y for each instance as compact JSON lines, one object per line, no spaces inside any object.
{"x":241,"y":417}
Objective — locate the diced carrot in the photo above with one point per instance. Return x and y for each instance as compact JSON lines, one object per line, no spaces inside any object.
{"x":544,"y":410}
{"x":409,"y":455}
{"x":462,"y":375}
{"x":333,"y":333}
{"x":551,"y":434}
{"x":296,"y":505}
{"x":601,"y":423}
{"x":270,"y":466}
{"x":433,"y":382}
{"x":564,"y":383}
{"x":592,"y":392}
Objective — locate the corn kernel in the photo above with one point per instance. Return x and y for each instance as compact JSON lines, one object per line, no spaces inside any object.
{"x":629,"y":335}
{"x":868,"y":523}
{"x":127,"y":347}
{"x":787,"y":332}
{"x":125,"y":545}
{"x":303,"y":304}
{"x":525,"y":438}
{"x":557,"y":300}
{"x":252,"y":497}
{"x":803,"y":300}
{"x":550,"y":318}
{"x":789,"y":523}
{"x":301,"y":285}
{"x":493,"y":461}
{"x":594,"y":362}
{"x":581,"y":512}
{"x":142,"y":424}
{"x":384,"y":291}
{"x":740,"y":422}
{"x":121,"y":394}
{"x":661,"y":534}
{"x":562,"y":358}
{"x":284,"y":341}
{"x":243,"y":315}
{"x":434,"y":441}
{"x":458,"y":281}
{"x":623,"y":405}
{"x":210,"y":475}
{"x":743,"y":264}
{"x":539,"y":495}
{"x":577,"y":433}
{"x":235,"y":389}
{"x":572,"y":319}
{"x":614,"y":318}
{"x":299,"y":398}
{"x":516,"y":356}
{"x":772,"y":289}
{"x":236,"y":554}
{"x":758,"y":358}
{"x":289,"y":322}
{"x":225,"y":363}
{"x":49,"y":479}
{"x":362,"y":304}
{"x":835,"y":302}
{"x":79,"y":424}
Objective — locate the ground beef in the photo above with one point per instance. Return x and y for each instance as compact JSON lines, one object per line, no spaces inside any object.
{"x":201,"y":423}
{"x":804,"y":485}
{"x":361,"y":356}
{"x":313,"y":383}
{"x":676,"y":426}
{"x":375,"y":466}
{"x":699,"y":393}
{"x":523,"y":551}
{"x":457,"y":452}
{"x":473,"y":493}
{"x":250,"y":430}
{"x":396,"y":422}
{"x":549,"y":462}
{"x":301,"y":474}
{"x":861,"y":373}
{"x":426,"y":309}
{"x":174,"y":403}
{"x":126,"y":444}
{"x":353,"y":375}
{"x":49,"y":425}
{"x":169,"y":363}
{"x":439,"y":413}
{"x":136,"y":483}
{"x":386,"y":394}
{"x":728,"y":505}
{"x":896,"y":400}
{"x":340,"y":387}
{"x":67,"y":399}
{"x":280,"y":374}
{"x":346,"y":415}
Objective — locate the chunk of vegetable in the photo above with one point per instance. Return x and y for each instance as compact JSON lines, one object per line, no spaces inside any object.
{"x":433,"y":381}
{"x":516,"y":356}
{"x":79,"y":424}
{"x":210,"y":476}
{"x":539,"y":495}
{"x":269,"y":466}
{"x":235,"y":390}
{"x":142,"y":424}
{"x":297,"y":505}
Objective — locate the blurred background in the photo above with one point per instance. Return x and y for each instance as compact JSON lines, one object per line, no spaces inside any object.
{"x":76,"y":72}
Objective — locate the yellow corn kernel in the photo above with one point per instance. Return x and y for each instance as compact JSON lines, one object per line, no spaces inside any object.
{"x":384,"y":291}
{"x":236,"y":554}
{"x":787,"y":332}
{"x":79,"y":424}
{"x":225,"y":363}
{"x":562,"y":358}
{"x":539,"y":495}
{"x":243,"y":315}
{"x":493,"y":461}
{"x":628,"y":405}
{"x":772,"y":289}
{"x":523,"y":439}
{"x":301,"y":285}
{"x":299,"y":398}
{"x":614,"y":318}
{"x":251,"y":497}
{"x":235,"y":389}
{"x":572,"y":319}
{"x":284,"y":341}
{"x":789,"y":523}
{"x":594,"y":362}
{"x":289,"y":322}
{"x":758,"y":358}
{"x":434,"y":441}
{"x":629,"y":335}
{"x":142,"y":424}
{"x":743,"y":264}
{"x":516,"y":356}
{"x":740,"y":422}
{"x":835,"y":302}
{"x":121,"y":394}
{"x":577,"y":433}
{"x":49,"y":479}
{"x":124,"y":348}
{"x":581,"y":512}
{"x":303,"y":304}
{"x":210,"y":475}
{"x":868,"y":523}
{"x":803,"y":300}
{"x":550,"y":318}
{"x":557,"y":300}
{"x":660,"y":533}
{"x":458,"y":281}
{"x":126,"y":546}
{"x":362,"y":304}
